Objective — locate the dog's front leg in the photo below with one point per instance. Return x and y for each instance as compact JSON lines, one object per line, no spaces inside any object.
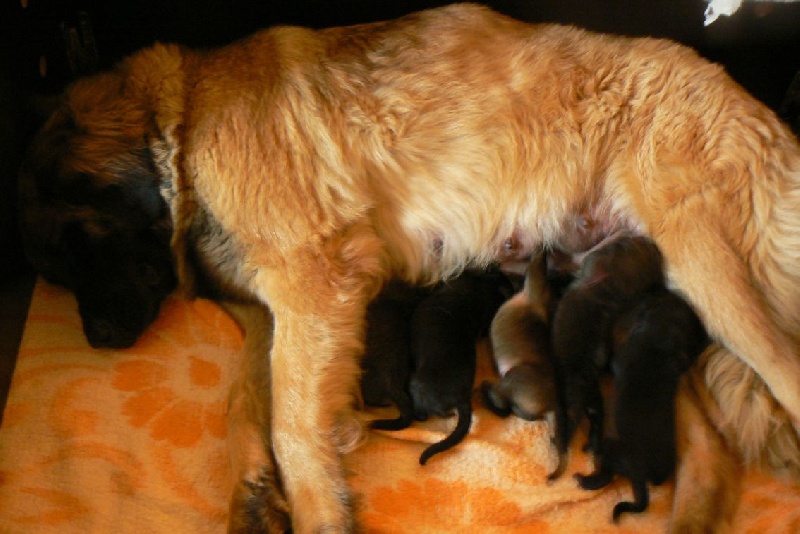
{"x":313,"y":369}
{"x":319,"y":304}
{"x":257,"y":502}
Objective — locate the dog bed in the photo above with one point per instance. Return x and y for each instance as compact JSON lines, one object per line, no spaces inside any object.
{"x":134,"y":441}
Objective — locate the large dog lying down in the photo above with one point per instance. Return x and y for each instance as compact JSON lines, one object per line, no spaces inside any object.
{"x":304,"y":168}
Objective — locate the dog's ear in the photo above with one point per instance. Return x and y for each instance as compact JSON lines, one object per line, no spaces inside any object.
{"x":139,"y":183}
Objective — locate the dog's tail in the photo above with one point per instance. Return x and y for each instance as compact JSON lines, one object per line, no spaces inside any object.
{"x":458,"y":434}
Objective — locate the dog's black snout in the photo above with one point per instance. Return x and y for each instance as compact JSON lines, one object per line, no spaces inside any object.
{"x":102,"y":329}
{"x":102,"y":333}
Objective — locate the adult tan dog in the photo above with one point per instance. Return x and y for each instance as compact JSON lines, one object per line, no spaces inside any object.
{"x":304,"y":168}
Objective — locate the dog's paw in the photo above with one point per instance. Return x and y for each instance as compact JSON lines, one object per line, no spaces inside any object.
{"x":259,"y":506}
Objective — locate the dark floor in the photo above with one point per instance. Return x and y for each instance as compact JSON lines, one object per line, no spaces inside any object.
{"x":15,"y":296}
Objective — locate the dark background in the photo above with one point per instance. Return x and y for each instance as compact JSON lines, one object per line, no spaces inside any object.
{"x":759,"y":45}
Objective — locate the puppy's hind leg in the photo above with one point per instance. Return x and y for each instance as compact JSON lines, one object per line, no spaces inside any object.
{"x":562,"y":434}
{"x":595,"y":413}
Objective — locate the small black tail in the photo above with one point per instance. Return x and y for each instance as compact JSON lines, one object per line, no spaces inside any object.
{"x":458,"y":434}
{"x":641,"y":499}
{"x":400,"y":423}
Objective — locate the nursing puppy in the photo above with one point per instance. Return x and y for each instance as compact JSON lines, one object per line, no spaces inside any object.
{"x":520,"y":339}
{"x":387,"y":360}
{"x":520,"y":331}
{"x":444,"y":329}
{"x":330,"y":161}
{"x":610,"y":280}
{"x":654,"y":343}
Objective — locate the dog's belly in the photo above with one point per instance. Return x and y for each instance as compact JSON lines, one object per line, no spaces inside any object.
{"x":437,"y":237}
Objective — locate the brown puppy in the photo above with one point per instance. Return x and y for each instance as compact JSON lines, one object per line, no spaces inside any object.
{"x":520,"y":340}
{"x":611,"y":279}
{"x":329,"y":161}
{"x":653,"y":343}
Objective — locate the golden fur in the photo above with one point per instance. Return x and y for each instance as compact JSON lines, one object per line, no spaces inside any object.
{"x":257,"y":496}
{"x":313,"y":165}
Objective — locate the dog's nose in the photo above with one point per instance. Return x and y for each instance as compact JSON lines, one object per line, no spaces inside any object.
{"x":102,"y":333}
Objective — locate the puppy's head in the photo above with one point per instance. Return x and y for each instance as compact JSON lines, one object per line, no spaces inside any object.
{"x":625,"y":267}
{"x":91,"y":214}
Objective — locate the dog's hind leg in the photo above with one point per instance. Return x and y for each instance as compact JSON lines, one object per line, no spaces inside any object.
{"x":708,"y":478}
{"x":700,"y":262}
{"x":257,"y":501}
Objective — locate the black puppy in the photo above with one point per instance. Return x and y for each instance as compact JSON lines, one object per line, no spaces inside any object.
{"x":444,"y":329}
{"x":386,"y":365}
{"x":608,"y":282}
{"x":653,"y":344}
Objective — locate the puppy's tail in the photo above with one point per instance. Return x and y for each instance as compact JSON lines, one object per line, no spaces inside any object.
{"x":399,"y":423}
{"x":641,"y":500}
{"x":458,"y":434}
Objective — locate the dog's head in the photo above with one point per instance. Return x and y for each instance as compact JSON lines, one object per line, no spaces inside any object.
{"x":92,"y":217}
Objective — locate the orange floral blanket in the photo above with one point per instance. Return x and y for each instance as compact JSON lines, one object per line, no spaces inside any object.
{"x":134,"y":441}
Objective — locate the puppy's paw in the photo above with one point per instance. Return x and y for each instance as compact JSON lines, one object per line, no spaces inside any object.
{"x":259,"y":506}
{"x":493,"y":400}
